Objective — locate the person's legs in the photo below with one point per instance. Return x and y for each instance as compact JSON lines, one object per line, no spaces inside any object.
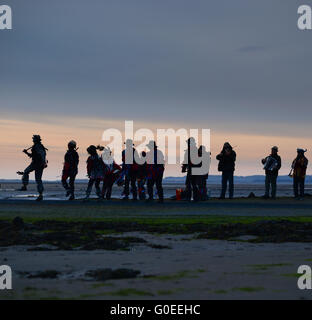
{"x":273,"y":186}
{"x":188,"y":185}
{"x":159,"y":187}
{"x":134,"y":189}
{"x":27,"y":171}
{"x":301,"y":183}
{"x":97,"y":187}
{"x":65,"y":176}
{"x":224,"y":184}
{"x":195,"y":188}
{"x":38,"y":177}
{"x":150,"y":188}
{"x":72,"y":179}
{"x":295,"y":185}
{"x":267,"y":186}
{"x":231,"y":184}
{"x":89,"y":188}
{"x":126,"y":187}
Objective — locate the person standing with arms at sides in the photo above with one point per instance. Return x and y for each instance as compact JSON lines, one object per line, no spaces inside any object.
{"x":299,"y":167}
{"x":227,"y":158}
{"x":70,"y":169}
{"x":272,"y":164}
{"x":95,"y":170}
{"x":155,"y":170}
{"x":38,"y":164}
{"x":130,"y":170}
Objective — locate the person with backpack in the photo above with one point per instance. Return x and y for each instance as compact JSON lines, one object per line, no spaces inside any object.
{"x":38,"y":164}
{"x":227,"y":158}
{"x":95,"y":171}
{"x":272,"y":164}
{"x":70,"y":169}
{"x":299,"y":167}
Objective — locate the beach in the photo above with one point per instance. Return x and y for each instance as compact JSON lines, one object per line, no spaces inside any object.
{"x":239,"y":249}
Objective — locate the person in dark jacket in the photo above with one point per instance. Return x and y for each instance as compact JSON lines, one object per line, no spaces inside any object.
{"x":38,"y":164}
{"x":130,"y":170}
{"x":299,"y":167}
{"x":70,"y":169}
{"x":95,"y":171}
{"x":155,"y":166}
{"x":227,"y":158}
{"x":191,"y":181}
{"x":272,"y":164}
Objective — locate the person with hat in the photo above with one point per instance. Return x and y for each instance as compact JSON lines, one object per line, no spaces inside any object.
{"x":191,"y":181}
{"x":155,"y":165}
{"x":227,"y":158}
{"x":130,"y":170}
{"x":299,"y":167}
{"x":70,"y":169}
{"x":272,"y":164}
{"x":95,"y":171}
{"x":38,"y":164}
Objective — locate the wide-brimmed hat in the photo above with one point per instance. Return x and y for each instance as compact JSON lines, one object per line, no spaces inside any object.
{"x":91,"y":149}
{"x":300,"y":150}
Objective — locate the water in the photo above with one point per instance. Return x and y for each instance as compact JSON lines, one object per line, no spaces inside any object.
{"x":55,"y":191}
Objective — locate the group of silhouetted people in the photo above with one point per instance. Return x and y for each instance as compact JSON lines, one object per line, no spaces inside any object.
{"x":139,"y":173}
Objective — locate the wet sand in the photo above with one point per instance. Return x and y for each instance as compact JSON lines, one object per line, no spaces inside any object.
{"x":178,"y":265}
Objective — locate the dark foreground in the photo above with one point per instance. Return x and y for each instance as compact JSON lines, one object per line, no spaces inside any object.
{"x":240,"y":249}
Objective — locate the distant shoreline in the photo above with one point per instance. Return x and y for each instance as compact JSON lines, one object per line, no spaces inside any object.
{"x":213,"y":179}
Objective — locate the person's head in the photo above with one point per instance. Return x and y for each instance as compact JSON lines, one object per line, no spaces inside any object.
{"x":300,"y":152}
{"x":143,"y":154}
{"x":191,"y":142}
{"x":72,"y":145}
{"x":129,"y":144}
{"x":92,"y":150}
{"x":36,"y":138}
{"x":274,"y":150}
{"x":227,"y":147}
{"x":152,"y":145}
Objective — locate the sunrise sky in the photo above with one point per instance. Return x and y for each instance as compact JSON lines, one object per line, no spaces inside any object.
{"x":71,"y":69}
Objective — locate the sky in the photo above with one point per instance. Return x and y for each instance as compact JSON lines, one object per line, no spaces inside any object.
{"x":71,"y":69}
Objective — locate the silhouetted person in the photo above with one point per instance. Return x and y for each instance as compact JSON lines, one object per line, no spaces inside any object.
{"x":299,"y":167}
{"x":155,"y":170}
{"x":141,"y":177}
{"x":187,"y":166}
{"x":272,"y":164}
{"x":111,"y":172}
{"x":227,"y":158}
{"x":130,"y":169}
{"x":95,"y":170}
{"x":38,"y":164}
{"x":70,"y":169}
{"x":202,"y":179}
